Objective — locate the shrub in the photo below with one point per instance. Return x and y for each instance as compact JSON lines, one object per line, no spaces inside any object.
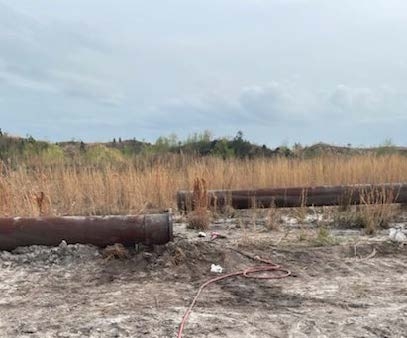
{"x":198,"y":219}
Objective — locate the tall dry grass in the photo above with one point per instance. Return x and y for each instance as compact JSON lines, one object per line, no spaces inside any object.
{"x":133,"y":186}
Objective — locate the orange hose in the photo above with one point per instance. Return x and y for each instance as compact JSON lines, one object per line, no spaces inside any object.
{"x":245,"y":273}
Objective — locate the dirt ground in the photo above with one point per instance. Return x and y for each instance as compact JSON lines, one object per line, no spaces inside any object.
{"x":344,"y":284}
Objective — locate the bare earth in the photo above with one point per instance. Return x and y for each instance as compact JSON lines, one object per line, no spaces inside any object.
{"x":356,"y":287}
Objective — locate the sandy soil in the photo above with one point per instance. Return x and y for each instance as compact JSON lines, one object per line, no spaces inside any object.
{"x":338,"y":290}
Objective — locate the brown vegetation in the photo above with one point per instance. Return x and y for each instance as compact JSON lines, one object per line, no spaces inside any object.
{"x":199,"y":218}
{"x":128,"y":186}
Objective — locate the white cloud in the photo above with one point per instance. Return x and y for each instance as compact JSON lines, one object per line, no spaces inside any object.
{"x":25,"y":83}
{"x":82,"y":86}
{"x":267,"y":101}
{"x":284,"y":103}
{"x":52,"y":58}
{"x":363,"y":103}
{"x":278,"y":101}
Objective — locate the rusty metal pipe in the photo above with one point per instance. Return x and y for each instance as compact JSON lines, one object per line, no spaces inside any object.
{"x":97,"y":230}
{"x":299,"y":196}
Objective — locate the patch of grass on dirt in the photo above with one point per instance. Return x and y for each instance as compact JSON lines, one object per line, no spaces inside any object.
{"x":273,"y":219}
{"x":302,"y":235}
{"x":115,"y":251}
{"x":324,"y":237}
{"x":199,"y":220}
{"x":370,"y":217}
{"x":376,"y":211}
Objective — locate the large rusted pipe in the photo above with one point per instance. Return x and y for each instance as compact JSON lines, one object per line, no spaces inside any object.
{"x":97,"y":230}
{"x":299,"y":196}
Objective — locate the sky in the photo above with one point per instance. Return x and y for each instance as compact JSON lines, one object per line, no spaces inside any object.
{"x":281,"y":71}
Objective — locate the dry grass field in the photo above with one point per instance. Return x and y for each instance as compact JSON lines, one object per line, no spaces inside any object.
{"x":135,"y":185}
{"x":348,"y":275}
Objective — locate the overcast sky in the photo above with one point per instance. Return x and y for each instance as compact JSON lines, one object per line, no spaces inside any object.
{"x":279,"y":70}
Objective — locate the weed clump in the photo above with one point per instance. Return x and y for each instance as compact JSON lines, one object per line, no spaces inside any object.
{"x":115,"y":251}
{"x":273,"y":219}
{"x":324,"y":237}
{"x":199,"y":218}
{"x":375,"y":211}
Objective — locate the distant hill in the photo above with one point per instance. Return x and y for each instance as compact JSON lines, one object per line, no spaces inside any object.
{"x":14,"y":147}
{"x":199,"y":146}
{"x":327,"y":149}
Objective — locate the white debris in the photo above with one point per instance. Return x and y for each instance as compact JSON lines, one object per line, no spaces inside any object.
{"x":201,"y":234}
{"x":397,"y":235}
{"x":313,"y":218}
{"x":216,"y":268}
{"x":289,"y":220}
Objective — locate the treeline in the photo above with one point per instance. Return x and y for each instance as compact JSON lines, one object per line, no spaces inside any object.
{"x":19,"y":149}
{"x":204,"y":145}
{"x":200,"y":144}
